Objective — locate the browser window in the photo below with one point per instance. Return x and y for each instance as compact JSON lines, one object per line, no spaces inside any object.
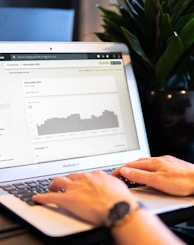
{"x":63,"y":106}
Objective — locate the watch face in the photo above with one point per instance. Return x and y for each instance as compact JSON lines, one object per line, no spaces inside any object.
{"x":118,"y":212}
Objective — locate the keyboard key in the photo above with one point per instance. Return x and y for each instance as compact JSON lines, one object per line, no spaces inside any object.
{"x":25,"y":190}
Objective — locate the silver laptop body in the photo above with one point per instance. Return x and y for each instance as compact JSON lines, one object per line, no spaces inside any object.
{"x":65,"y":107}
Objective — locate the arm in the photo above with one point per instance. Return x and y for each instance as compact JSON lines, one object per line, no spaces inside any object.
{"x":99,"y":193}
{"x":146,"y":229}
{"x":166,"y":173}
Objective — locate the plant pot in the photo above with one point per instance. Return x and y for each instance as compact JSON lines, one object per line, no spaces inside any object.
{"x":169,"y":121}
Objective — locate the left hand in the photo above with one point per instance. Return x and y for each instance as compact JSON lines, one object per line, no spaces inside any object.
{"x":87,"y":195}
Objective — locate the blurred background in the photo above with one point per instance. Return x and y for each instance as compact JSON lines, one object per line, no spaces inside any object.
{"x":59,"y":20}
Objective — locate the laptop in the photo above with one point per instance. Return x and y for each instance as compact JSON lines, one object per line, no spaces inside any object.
{"x":64,"y":107}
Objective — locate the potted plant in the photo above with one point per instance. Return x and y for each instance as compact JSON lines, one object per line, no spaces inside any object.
{"x":160,"y":38}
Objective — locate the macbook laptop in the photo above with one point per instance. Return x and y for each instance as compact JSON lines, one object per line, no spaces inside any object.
{"x":64,"y":107}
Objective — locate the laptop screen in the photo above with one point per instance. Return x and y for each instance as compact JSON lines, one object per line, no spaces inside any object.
{"x":63,"y":105}
{"x":67,"y":107}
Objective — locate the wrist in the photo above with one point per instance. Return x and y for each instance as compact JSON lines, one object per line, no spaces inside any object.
{"x":188,"y":181}
{"x":191,"y":181}
{"x":122,"y":212}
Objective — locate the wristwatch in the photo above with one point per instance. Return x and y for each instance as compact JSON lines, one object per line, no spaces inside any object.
{"x":120,"y":212}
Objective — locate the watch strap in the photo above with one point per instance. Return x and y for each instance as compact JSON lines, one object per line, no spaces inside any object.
{"x":121,"y":212}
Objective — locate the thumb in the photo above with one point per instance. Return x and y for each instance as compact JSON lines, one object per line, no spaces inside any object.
{"x":136,"y":175}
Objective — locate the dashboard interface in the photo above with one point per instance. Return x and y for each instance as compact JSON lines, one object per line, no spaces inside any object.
{"x":62,"y":106}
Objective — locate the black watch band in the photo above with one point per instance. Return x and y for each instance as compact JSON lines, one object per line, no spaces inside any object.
{"x":121,"y":211}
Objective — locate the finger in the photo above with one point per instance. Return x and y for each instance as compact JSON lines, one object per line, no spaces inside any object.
{"x":142,"y":164}
{"x":51,"y":197}
{"x":77,"y":176}
{"x":138,"y":176}
{"x":59,"y":183}
{"x":143,"y":159}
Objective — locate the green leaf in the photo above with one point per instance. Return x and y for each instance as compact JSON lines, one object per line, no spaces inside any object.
{"x":159,"y":35}
{"x":151,"y":13}
{"x":166,"y":29}
{"x":133,"y":17}
{"x":135,"y":45}
{"x":183,"y":20}
{"x":108,"y":13}
{"x":168,"y":60}
{"x":132,"y":21}
{"x":187,"y":34}
{"x":134,"y":7}
{"x":176,"y":8}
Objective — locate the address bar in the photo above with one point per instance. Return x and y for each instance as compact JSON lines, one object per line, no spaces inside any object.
{"x":57,"y":64}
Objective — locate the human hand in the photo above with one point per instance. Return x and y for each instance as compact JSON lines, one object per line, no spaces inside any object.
{"x":89,"y":196}
{"x":165,"y":173}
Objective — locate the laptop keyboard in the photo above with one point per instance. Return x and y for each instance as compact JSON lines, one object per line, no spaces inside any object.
{"x":25,"y":190}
